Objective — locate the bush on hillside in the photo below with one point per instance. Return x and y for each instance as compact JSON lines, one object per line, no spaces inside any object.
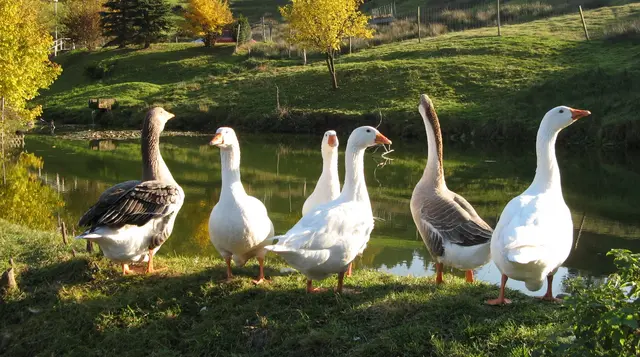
{"x":99,"y":70}
{"x":624,"y":30}
{"x":606,"y":319}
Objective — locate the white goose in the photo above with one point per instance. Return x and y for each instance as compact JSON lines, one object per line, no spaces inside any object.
{"x":238,"y":224}
{"x":131,"y":220}
{"x":328,"y":186}
{"x":450,"y":228}
{"x":534,"y":234}
{"x":329,"y":237}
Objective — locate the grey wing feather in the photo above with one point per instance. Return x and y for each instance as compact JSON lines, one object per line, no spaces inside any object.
{"x":454,"y":220}
{"x":131,"y":202}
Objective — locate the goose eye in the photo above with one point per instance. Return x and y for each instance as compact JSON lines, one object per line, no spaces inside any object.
{"x":561,"y":111}
{"x":368,"y":130}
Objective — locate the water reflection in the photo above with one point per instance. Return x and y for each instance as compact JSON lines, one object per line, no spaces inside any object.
{"x":281,"y":171}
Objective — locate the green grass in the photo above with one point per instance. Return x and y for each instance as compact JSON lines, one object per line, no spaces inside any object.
{"x":492,"y":88}
{"x":82,"y":305}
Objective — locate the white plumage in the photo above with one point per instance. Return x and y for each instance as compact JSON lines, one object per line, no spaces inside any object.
{"x":239,"y":223}
{"x":330,"y":236}
{"x":328,"y":186}
{"x":534,"y":234}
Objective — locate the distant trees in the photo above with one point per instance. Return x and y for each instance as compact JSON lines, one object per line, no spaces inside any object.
{"x":135,"y":21}
{"x":82,"y":22}
{"x":323,"y":25}
{"x":24,"y":62}
{"x":151,"y":21}
{"x":207,"y":18}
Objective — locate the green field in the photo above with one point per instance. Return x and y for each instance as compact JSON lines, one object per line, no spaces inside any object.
{"x":486,"y":87}
{"x":81,"y":305}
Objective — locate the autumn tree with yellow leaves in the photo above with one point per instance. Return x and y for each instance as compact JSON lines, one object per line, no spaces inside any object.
{"x":24,"y":61}
{"x":207,"y":18}
{"x":323,"y":25}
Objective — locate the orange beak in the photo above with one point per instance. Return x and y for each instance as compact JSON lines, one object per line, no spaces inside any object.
{"x":332,"y":141}
{"x":579,"y":113}
{"x":217,"y":140}
{"x":381,"y":139}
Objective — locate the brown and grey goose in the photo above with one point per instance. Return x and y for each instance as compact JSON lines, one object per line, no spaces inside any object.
{"x":451,"y":229}
{"x":132,"y":219}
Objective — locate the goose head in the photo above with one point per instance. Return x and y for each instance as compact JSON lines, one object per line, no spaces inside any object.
{"x":157,"y":117}
{"x":225,"y":138}
{"x":330,"y":142}
{"x":561,"y":117}
{"x":365,"y":136}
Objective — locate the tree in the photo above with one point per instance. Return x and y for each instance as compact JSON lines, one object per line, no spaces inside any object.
{"x":208,"y":17}
{"x":117,"y":22}
{"x":82,"y":22}
{"x":151,"y":21}
{"x":24,"y":61}
{"x":323,"y":24}
{"x":244,"y":35}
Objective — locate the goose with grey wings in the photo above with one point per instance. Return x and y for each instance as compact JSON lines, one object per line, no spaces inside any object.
{"x":534,"y":234}
{"x":132,"y":219}
{"x":453,"y":232}
{"x":329,"y":237}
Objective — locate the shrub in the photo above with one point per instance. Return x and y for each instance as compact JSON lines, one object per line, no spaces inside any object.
{"x":245,"y":30}
{"x":605,"y":318}
{"x":624,"y":30}
{"x":99,"y":70}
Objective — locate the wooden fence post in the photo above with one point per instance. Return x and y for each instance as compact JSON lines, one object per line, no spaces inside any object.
{"x":237,"y":38}
{"x":264,"y":32}
{"x":498,"y":16}
{"x":584,"y":24}
{"x":63,"y":229}
{"x":419,"y":24}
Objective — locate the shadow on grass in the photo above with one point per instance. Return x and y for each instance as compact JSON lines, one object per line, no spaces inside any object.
{"x":194,"y":314}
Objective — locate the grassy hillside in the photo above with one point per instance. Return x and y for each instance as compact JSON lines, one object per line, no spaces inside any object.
{"x":81,"y":305}
{"x":484,"y":86}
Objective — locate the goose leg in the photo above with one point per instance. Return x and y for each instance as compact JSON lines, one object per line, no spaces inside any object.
{"x":126,"y":270}
{"x":469,"y":276}
{"x":501,"y":300}
{"x":548,"y":296}
{"x":349,"y":269}
{"x":311,"y":289}
{"x":439,"y":268}
{"x":229,"y":274}
{"x":150,"y":264}
{"x":261,"y":278}
{"x":340,"y":282}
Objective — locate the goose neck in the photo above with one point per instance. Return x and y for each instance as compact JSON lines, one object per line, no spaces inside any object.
{"x":434,"y":170}
{"x":355,"y":187}
{"x":230,"y":164}
{"x":547,"y":171}
{"x":153,"y":165}
{"x":329,"y":164}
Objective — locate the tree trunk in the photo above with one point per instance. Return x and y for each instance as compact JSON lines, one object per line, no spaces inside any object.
{"x":147,"y":43}
{"x":332,"y":69}
{"x":209,"y":39}
{"x":4,"y":168}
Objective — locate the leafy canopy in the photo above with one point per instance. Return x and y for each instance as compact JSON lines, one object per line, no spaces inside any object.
{"x":323,"y":24}
{"x":24,"y":56}
{"x":208,"y":17}
{"x":82,"y":22}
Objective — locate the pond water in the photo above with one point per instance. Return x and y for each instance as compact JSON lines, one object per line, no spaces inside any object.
{"x":601,"y":190}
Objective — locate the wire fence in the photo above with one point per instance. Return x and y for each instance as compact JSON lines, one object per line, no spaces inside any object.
{"x":393,"y":23}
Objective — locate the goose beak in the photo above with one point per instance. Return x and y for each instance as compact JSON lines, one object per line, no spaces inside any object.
{"x":332,"y":141}
{"x":381,"y":139}
{"x":217,"y":140}
{"x":170,"y":116}
{"x":579,"y":113}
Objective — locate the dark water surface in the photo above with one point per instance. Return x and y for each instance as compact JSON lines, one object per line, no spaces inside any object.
{"x":602,"y":191}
